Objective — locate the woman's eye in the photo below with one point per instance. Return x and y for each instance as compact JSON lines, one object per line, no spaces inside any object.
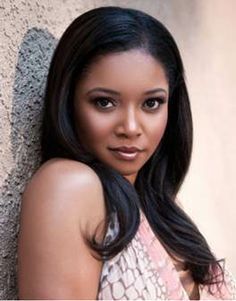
{"x":103,"y":102}
{"x":153,"y":103}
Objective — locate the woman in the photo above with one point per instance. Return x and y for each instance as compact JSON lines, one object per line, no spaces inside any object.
{"x":100,"y":217}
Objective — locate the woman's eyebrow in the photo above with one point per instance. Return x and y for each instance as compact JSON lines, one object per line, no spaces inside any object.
{"x":155,"y":91}
{"x":106,"y":90}
{"x":99,"y":89}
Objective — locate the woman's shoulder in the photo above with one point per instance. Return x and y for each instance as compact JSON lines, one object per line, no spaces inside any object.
{"x":61,"y":206}
{"x":67,"y":167}
{"x":69,"y":184}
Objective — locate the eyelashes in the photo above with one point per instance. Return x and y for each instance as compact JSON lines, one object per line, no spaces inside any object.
{"x":107,"y":103}
{"x":153,"y":103}
{"x":104,"y":102}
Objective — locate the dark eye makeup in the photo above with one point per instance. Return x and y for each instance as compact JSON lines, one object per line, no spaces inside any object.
{"x":105,"y":103}
{"x":153,"y":103}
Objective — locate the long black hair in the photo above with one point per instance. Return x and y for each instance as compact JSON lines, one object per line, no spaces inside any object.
{"x":114,"y":29}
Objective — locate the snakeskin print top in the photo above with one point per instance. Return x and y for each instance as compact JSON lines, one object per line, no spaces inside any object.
{"x":144,"y":270}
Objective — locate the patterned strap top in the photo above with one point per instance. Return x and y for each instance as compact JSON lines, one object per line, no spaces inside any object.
{"x":144,"y":270}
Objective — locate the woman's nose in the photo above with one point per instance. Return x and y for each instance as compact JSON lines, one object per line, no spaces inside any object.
{"x":129,"y":124}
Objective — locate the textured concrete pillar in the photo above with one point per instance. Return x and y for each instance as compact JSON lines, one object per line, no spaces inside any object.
{"x":204,"y":30}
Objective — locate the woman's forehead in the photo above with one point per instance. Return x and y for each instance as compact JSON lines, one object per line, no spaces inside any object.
{"x":127,"y":69}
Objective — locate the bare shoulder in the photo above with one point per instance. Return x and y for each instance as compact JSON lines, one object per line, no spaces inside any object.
{"x":70,"y":185}
{"x":66,"y":172}
{"x":61,"y":204}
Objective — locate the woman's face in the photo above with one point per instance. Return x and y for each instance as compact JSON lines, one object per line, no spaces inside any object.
{"x":121,"y":109}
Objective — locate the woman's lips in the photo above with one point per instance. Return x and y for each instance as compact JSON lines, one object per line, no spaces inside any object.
{"x":126,"y":153}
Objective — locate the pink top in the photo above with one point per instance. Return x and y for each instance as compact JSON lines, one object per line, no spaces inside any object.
{"x":144,"y":270}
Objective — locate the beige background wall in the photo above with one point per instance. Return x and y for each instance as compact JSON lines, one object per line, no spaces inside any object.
{"x":204,"y":31}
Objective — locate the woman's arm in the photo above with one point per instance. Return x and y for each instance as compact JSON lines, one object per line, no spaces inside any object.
{"x":63,"y":201}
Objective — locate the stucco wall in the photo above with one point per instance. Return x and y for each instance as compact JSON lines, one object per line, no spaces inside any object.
{"x":207,"y":40}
